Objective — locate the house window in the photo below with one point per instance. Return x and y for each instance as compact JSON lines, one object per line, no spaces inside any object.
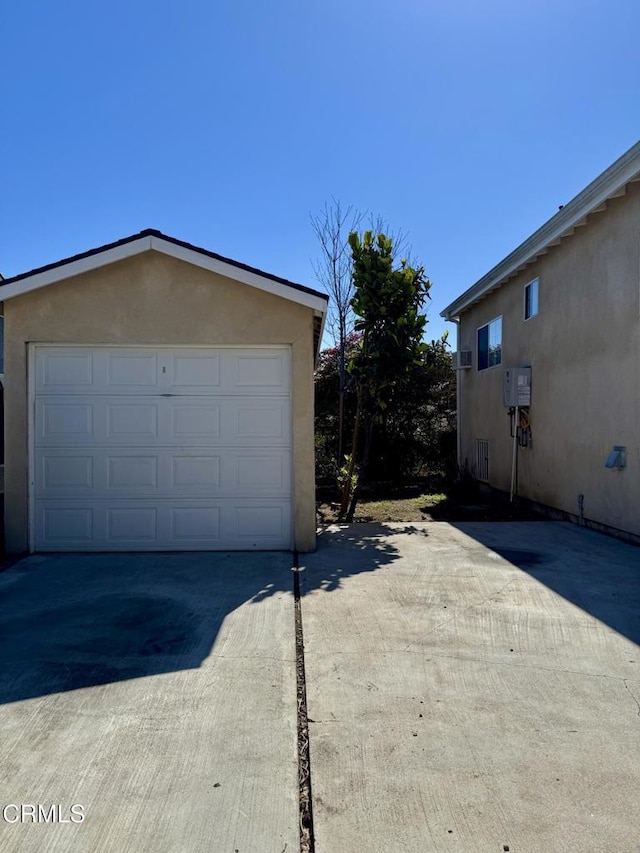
{"x":490,"y":344}
{"x":531,"y":299}
{"x":482,"y":460}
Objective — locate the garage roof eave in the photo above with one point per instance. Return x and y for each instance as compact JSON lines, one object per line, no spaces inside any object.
{"x":148,"y":240}
{"x":609,"y":184}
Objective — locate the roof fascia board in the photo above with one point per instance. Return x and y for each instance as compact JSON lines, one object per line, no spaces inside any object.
{"x":237,"y":274}
{"x":323,"y":323}
{"x":146,"y":243}
{"x":609,"y":184}
{"x":101,"y":259}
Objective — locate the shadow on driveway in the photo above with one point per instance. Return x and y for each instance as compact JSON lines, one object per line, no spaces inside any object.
{"x":597,"y":573}
{"x":69,"y":621}
{"x":351,"y":549}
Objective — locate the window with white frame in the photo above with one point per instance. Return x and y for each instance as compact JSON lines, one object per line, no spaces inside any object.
{"x":490,"y":344}
{"x":531,"y":299}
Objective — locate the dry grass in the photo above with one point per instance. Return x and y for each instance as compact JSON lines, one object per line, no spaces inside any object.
{"x":429,"y":507}
{"x":394,"y":509}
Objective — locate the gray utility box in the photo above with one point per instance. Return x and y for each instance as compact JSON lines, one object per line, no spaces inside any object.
{"x":517,"y":386}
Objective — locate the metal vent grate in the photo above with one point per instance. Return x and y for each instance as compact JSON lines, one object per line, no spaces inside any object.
{"x":482,"y":460}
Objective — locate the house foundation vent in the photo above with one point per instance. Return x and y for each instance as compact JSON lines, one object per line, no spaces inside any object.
{"x":482,"y":460}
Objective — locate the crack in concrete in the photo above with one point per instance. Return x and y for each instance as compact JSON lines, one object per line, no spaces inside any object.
{"x":430,"y":654}
{"x":520,"y":665}
{"x":633,"y":696}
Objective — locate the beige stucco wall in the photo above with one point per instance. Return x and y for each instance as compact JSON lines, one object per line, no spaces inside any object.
{"x":154,"y":299}
{"x":584,"y":351}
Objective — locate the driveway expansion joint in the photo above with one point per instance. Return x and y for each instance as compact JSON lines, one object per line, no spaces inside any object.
{"x":307,"y":840}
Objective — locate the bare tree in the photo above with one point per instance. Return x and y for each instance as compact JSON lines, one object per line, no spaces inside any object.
{"x":333,"y":270}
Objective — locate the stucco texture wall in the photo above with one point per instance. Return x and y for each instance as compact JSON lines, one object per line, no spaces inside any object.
{"x":584,"y":351}
{"x":154,"y":299}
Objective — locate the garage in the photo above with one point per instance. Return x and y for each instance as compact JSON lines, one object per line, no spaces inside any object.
{"x":159,"y":397}
{"x":162,"y":449}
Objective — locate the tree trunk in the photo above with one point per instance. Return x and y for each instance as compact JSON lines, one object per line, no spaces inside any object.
{"x":342,"y":371}
{"x":346,"y":492}
{"x":362,"y":472}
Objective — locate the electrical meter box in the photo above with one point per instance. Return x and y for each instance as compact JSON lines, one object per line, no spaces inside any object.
{"x":517,"y":386}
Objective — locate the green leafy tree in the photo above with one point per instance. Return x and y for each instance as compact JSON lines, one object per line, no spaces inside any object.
{"x":416,"y":433}
{"x":387,"y":303}
{"x":414,"y":436}
{"x":333,"y":270}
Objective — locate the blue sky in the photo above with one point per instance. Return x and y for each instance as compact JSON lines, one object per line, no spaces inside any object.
{"x":227,"y":123}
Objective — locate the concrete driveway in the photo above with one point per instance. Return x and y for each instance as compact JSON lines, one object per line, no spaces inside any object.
{"x":470,"y":688}
{"x":157,"y":692}
{"x":473,"y":688}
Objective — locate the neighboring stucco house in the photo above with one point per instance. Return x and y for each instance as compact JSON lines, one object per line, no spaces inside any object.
{"x":158,"y":397}
{"x":566,"y":304}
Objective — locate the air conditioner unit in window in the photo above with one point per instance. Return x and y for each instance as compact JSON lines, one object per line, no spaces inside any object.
{"x":462,"y":359}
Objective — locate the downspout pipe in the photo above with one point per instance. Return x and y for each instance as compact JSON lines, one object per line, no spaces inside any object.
{"x":456,"y":320}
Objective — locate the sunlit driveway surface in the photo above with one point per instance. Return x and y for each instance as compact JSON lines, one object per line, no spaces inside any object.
{"x":474,"y":688}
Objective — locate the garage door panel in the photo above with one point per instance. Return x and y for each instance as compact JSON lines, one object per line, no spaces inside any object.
{"x":61,"y":474}
{"x":166,"y":472}
{"x":132,"y":422}
{"x":127,"y":472}
{"x":195,"y":522}
{"x":263,"y":422}
{"x":60,"y":525}
{"x":162,"y":448}
{"x":132,"y":524}
{"x":258,"y":521}
{"x":178,"y":525}
{"x":269,"y":472}
{"x":262,"y":372}
{"x":144,"y":370}
{"x":194,"y":472}
{"x":194,"y":419}
{"x":70,"y":421}
{"x":64,"y":369}
{"x":125,"y":370}
{"x":65,"y":421}
{"x":259,"y":371}
{"x":195,"y":371}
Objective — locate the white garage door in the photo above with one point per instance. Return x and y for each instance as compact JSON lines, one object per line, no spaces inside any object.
{"x":161,"y":448}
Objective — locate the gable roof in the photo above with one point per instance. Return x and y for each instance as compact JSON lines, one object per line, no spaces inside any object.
{"x":148,"y":240}
{"x":610,"y":184}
